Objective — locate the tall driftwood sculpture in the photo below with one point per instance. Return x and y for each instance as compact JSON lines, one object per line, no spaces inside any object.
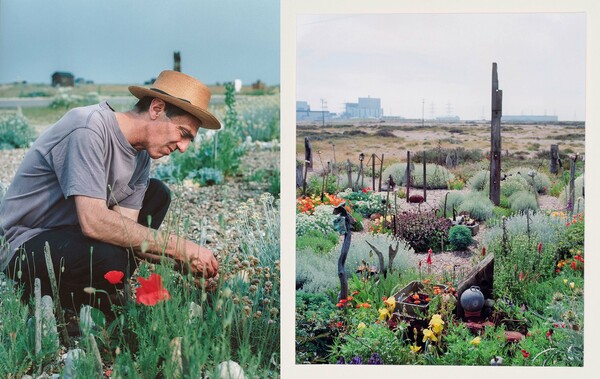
{"x":496,"y":149}
{"x":343,"y":224}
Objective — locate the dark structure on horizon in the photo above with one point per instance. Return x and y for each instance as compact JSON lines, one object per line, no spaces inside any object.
{"x":63,"y":79}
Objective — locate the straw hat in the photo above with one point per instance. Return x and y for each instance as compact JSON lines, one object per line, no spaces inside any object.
{"x":184,"y":92}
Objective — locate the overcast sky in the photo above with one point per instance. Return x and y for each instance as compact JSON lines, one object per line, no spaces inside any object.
{"x":444,"y":60}
{"x":116,"y":41}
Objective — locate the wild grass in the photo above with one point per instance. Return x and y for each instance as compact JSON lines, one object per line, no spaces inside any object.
{"x":187,"y":335}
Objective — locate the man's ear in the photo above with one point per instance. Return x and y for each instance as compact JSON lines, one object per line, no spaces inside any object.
{"x":157,"y":106}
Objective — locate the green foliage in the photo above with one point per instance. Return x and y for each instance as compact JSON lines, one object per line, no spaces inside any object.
{"x":15,"y":132}
{"x":65,"y":99}
{"x":315,"y":315}
{"x":479,"y":180}
{"x":364,"y":202}
{"x":513,"y":184}
{"x":460,"y":237}
{"x":437,"y":176}
{"x":375,"y":338}
{"x":397,"y":171}
{"x":423,"y":230}
{"x":522,"y":200}
{"x":479,"y":206}
{"x":538,"y":180}
{"x":321,"y":220}
{"x":314,"y":185}
{"x":317,"y":273}
{"x":452,"y":201}
{"x":579,"y":205}
{"x":573,"y":239}
{"x":317,"y":242}
{"x":272,"y":176}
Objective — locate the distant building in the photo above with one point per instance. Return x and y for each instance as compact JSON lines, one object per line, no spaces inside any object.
{"x":303,"y":113}
{"x":529,"y":118}
{"x":63,"y":79}
{"x":447,"y":119}
{"x":367,"y":107}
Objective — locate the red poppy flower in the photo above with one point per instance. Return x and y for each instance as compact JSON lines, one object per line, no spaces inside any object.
{"x":539,"y":248}
{"x":114,"y":277}
{"x":339,"y":324}
{"x":525,"y":353}
{"x":151,"y":290}
{"x":574,"y":265}
{"x":429,"y":257}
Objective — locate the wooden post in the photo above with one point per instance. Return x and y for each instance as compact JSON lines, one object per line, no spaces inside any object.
{"x":496,"y":148}
{"x":380,"y":172}
{"x":177,"y":61}
{"x":571,"y":204}
{"x":373,"y":156}
{"x":424,"y":177}
{"x":554,"y":159}
{"x":407,"y":176}
{"x":307,"y":163}
{"x":349,"y":168}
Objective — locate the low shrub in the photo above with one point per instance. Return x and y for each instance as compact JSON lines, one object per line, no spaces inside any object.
{"x":523,"y":200}
{"x":479,"y":180}
{"x":397,"y":171}
{"x":423,"y":230}
{"x":316,"y":273}
{"x":579,"y":205}
{"x":437,"y":176}
{"x":315,"y":315}
{"x":460,"y":237}
{"x":15,"y":132}
{"x":321,"y":220}
{"x":452,"y":201}
{"x":538,"y":180}
{"x":317,"y":242}
{"x":513,"y":184}
{"x":416,"y":199}
{"x":479,"y":206}
{"x":365,"y":202}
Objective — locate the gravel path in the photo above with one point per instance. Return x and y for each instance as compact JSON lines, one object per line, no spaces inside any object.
{"x":459,"y":262}
{"x":194,"y":206}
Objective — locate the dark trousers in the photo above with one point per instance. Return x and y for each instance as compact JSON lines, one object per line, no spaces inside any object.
{"x":81,"y":262}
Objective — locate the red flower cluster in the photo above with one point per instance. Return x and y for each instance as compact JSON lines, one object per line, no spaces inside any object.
{"x":525,"y":353}
{"x":345,"y":302}
{"x":366,"y":190}
{"x":576,"y":218}
{"x":114,"y":277}
{"x":151,"y":290}
{"x":575,"y":264}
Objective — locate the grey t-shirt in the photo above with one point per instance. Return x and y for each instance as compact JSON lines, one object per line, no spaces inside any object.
{"x":84,"y":153}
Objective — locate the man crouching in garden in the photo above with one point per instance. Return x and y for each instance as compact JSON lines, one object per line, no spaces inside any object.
{"x":84,"y":189}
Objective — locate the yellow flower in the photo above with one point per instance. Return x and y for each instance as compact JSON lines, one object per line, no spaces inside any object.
{"x":572,"y":285}
{"x":436,"y":323}
{"x":390,"y":303}
{"x":565,"y":281}
{"x":384,"y":314}
{"x":475,"y":341}
{"x":415,"y":349}
{"x":428,"y":335}
{"x":361,"y":326}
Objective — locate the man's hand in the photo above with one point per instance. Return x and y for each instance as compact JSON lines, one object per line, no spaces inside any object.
{"x":200,"y":260}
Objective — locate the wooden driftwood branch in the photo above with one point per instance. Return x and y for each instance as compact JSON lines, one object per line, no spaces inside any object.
{"x":348,"y":221}
{"x":382,"y":269}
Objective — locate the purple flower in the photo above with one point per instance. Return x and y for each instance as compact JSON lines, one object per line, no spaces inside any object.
{"x":341,"y":361}
{"x":375,"y":360}
{"x":356,"y":360}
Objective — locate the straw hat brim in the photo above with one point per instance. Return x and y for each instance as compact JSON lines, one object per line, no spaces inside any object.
{"x":206,"y":118}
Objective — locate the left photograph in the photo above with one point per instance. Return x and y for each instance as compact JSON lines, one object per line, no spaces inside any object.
{"x":139,"y":190}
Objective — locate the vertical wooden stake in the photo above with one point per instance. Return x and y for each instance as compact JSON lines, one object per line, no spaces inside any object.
{"x":554,"y":159}
{"x":407,"y":176}
{"x":496,"y":148}
{"x":424,"y":177}
{"x":380,"y":172}
{"x":373,"y":156}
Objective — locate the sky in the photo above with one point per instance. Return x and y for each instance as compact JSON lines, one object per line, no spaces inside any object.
{"x":435,"y":65}
{"x":131,"y":41}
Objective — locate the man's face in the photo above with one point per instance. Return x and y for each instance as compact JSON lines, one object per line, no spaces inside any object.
{"x":171,"y":134}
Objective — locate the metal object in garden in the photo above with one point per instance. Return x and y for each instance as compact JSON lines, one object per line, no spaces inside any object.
{"x":343,"y":223}
{"x":471,"y":300}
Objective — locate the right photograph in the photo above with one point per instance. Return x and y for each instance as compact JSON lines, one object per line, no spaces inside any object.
{"x":440,"y":202}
